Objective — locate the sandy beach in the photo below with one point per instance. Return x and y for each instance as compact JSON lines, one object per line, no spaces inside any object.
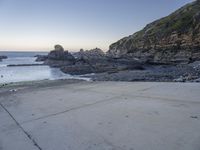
{"x":80,"y":115}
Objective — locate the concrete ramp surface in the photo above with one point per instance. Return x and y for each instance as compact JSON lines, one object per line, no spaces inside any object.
{"x":101,"y":116}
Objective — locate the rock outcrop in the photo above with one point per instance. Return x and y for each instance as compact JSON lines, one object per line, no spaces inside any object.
{"x":172,"y":39}
{"x":41,"y":58}
{"x":88,"y":61}
{"x":60,"y":54}
{"x":59,"y":57}
{"x":3,"y":57}
{"x":90,"y":54}
{"x":95,"y":61}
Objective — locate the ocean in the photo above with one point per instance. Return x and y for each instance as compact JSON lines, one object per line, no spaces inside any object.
{"x":28,"y":73}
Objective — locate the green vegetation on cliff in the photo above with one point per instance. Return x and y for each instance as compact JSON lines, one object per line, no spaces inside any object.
{"x":174,"y":36}
{"x":180,"y":21}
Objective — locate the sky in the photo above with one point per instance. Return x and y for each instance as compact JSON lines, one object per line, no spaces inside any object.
{"x":37,"y":25}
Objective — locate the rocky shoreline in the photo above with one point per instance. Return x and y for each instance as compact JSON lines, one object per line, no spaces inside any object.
{"x":180,"y":73}
{"x":106,"y":68}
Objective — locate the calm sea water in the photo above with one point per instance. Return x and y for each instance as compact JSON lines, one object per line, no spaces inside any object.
{"x":28,"y":73}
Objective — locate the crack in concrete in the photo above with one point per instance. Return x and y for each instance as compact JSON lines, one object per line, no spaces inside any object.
{"x":139,"y":90}
{"x":25,"y":132}
{"x":111,"y":144}
{"x":164,"y":99}
{"x":106,"y":100}
{"x":146,"y":89}
{"x":152,"y":97}
{"x":72,"y":109}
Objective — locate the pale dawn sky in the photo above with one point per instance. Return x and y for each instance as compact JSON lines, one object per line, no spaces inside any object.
{"x":40,"y":24}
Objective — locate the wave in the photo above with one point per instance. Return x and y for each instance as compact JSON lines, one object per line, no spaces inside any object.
{"x":3,"y":65}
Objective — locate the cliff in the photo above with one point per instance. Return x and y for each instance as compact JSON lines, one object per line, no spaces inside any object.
{"x":172,"y":39}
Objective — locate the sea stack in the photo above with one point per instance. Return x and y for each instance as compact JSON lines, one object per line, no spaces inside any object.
{"x":59,"y":57}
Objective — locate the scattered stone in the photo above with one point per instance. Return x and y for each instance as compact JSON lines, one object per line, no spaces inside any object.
{"x":13,"y":90}
{"x":180,"y":79}
{"x":194,"y":117}
{"x":196,"y":80}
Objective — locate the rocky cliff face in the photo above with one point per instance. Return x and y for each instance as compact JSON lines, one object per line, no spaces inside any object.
{"x":173,"y":39}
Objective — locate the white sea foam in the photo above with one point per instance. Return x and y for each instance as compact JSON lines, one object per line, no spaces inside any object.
{"x":3,"y":65}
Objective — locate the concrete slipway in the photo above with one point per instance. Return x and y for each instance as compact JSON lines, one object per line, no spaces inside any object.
{"x":101,"y":116}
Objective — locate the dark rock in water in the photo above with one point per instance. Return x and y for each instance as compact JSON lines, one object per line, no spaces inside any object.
{"x":41,"y":58}
{"x":3,"y":57}
{"x":24,"y":65}
{"x":171,"y":40}
{"x":59,"y":57}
